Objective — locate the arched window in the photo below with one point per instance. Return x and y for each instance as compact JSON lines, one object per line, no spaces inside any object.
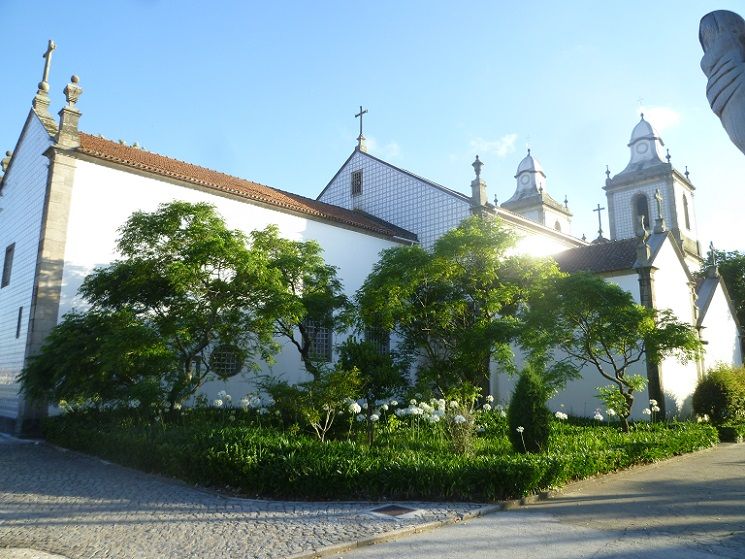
{"x":641,"y":209}
{"x":557,"y":225}
{"x":685,"y":212}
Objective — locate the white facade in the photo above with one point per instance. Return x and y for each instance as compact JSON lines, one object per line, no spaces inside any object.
{"x":23,"y":191}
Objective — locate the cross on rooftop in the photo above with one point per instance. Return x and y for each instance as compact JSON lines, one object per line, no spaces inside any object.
{"x":600,"y":221}
{"x":359,"y":115}
{"x":44,"y":83}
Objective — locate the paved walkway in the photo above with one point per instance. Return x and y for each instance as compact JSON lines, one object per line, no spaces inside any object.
{"x":79,"y":507}
{"x":691,"y":507}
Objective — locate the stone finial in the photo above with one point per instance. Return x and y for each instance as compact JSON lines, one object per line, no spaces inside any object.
{"x":584,"y":237}
{"x":687,"y":173}
{"x":496,"y":201}
{"x":6,"y":160}
{"x":478,"y":186}
{"x":643,"y":250}
{"x":668,"y":155}
{"x":566,"y":201}
{"x":73,"y":91}
{"x":68,"y":135}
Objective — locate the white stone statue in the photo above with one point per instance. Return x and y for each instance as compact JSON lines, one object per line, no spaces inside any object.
{"x":722,"y":36}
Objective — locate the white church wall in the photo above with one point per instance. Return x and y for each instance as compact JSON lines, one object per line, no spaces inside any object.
{"x":720,"y":333}
{"x":398,"y":198}
{"x":553,"y":217}
{"x":672,"y":291}
{"x":22,"y":206}
{"x":103,"y":198}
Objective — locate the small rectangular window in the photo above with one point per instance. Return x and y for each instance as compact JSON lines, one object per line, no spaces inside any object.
{"x":8,"y":264}
{"x":357,"y":183}
{"x":20,"y":319}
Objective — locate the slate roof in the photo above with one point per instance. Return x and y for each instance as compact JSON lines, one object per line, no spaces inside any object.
{"x":599,"y":258}
{"x":156,"y":164}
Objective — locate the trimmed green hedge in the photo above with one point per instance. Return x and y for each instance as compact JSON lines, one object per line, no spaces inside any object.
{"x":721,"y":395}
{"x":267,"y":462}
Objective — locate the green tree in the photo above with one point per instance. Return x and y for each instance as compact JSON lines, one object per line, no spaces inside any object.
{"x":310,"y":289}
{"x":593,"y":322}
{"x":731,"y":265}
{"x":198,"y":286}
{"x":381,"y":374}
{"x":98,"y":357}
{"x":455,"y":308}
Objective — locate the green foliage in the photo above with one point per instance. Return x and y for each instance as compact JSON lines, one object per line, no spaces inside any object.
{"x":593,"y":322}
{"x":731,"y":432}
{"x":731,"y":265}
{"x":264,"y":461}
{"x":100,"y":357}
{"x":454,"y":307}
{"x":381,"y":375}
{"x":721,"y":395}
{"x":309,"y":288}
{"x":187,"y":300}
{"x":528,"y":416}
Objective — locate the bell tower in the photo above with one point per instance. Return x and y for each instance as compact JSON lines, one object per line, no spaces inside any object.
{"x":652,"y":191}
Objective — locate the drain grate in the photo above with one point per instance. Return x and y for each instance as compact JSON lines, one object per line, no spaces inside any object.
{"x":393,"y":510}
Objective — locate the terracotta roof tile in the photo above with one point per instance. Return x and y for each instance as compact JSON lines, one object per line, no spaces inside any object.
{"x":598,"y":258}
{"x":143,"y":160}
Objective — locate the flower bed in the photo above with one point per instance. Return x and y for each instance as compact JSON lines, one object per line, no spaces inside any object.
{"x":266,"y":460}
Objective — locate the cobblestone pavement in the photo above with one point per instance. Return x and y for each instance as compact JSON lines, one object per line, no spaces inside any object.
{"x":83,"y":508}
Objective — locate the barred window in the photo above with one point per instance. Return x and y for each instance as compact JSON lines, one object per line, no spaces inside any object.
{"x":226,"y":361}
{"x":8,"y":264}
{"x":357,"y":183}
{"x":320,"y":340}
{"x":380,"y":338}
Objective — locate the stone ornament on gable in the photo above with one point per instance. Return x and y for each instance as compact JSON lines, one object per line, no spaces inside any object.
{"x":722,"y":36}
{"x":73,"y":92}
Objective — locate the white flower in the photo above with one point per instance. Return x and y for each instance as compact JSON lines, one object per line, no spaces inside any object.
{"x":655,"y":409}
{"x":217,"y":403}
{"x":598,"y":416}
{"x":263,"y":411}
{"x":360,"y":418}
{"x":177,"y":406}
{"x":611,"y":412}
{"x":453,"y":404}
{"x":228,"y":399}
{"x":412,"y":402}
{"x":354,"y":408}
{"x":384,"y":407}
{"x":520,"y":429}
{"x":502,"y":413}
{"x":222,"y":394}
{"x":134,"y":403}
{"x":374,"y":417}
{"x":394,"y":403}
{"x":480,"y":429}
{"x":647,"y":411}
{"x":486,"y":407}
{"x":489,"y":398}
{"x":245,"y":403}
{"x":561,"y":415}
{"x":652,"y":403}
{"x":459,"y":419}
{"x":364,"y":405}
{"x":433,"y":418}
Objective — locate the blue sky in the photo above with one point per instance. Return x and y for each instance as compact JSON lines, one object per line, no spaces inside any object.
{"x":268,"y":90}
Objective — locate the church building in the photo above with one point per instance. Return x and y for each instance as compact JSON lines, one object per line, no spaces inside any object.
{"x":64,"y":193}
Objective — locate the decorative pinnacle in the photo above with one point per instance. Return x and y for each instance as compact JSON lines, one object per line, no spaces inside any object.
{"x":566,"y":201}
{"x":360,"y":138}
{"x":6,"y":161}
{"x":496,"y":202}
{"x":686,"y":173}
{"x":477,"y":165}
{"x":607,"y":172}
{"x":44,"y":83}
{"x":73,"y":91}
{"x":668,"y":156}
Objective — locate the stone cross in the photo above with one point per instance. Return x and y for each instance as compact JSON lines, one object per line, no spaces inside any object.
{"x":44,"y":83}
{"x":600,"y":221}
{"x":359,"y":115}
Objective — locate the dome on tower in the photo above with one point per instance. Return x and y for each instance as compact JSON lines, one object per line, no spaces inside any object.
{"x":530,"y":163}
{"x":644,"y":131}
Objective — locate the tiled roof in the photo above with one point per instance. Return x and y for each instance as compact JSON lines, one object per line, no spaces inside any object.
{"x":156,"y":164}
{"x":599,"y":258}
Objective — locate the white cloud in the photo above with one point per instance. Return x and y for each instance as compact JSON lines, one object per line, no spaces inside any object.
{"x":661,"y":118}
{"x":391,"y":150}
{"x":501,"y":147}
